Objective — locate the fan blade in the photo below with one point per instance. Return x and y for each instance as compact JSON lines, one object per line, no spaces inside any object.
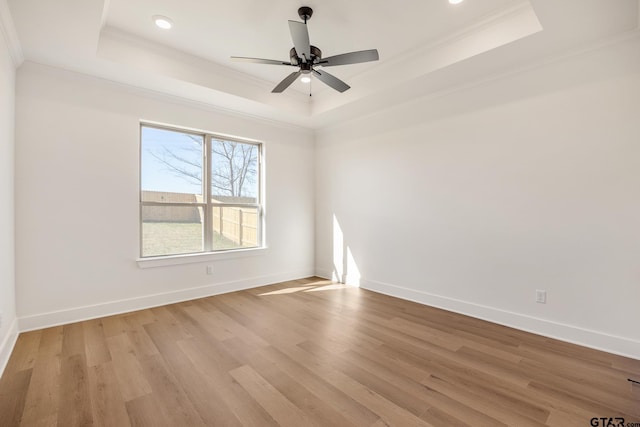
{"x":351,"y":58}
{"x":300,"y":37}
{"x":332,"y":81}
{"x":259,"y":60}
{"x":286,"y":82}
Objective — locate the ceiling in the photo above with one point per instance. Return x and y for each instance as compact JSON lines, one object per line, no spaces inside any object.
{"x":425,"y":46}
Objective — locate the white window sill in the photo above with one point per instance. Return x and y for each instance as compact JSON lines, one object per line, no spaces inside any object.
{"x":162,"y":261}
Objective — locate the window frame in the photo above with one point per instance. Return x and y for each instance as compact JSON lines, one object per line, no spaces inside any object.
{"x":207,"y":205}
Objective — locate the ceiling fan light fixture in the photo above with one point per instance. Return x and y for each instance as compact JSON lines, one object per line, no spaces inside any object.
{"x":305,"y":79}
{"x":162,"y":22}
{"x":455,"y":1}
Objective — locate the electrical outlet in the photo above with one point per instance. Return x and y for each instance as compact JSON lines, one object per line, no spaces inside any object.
{"x":209,"y":270}
{"x":541,"y":296}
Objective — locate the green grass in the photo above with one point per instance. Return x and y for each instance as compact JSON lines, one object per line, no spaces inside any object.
{"x":167,"y":238}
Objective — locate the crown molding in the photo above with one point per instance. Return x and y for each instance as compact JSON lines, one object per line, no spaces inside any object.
{"x":125,"y":40}
{"x":10,"y":34}
{"x":161,"y":96}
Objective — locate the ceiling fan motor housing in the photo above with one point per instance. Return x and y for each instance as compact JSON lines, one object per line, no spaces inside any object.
{"x":316,"y":56}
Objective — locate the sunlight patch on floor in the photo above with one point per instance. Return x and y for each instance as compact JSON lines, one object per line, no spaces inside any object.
{"x":317,"y":286}
{"x":327,"y":288}
{"x":287,"y":290}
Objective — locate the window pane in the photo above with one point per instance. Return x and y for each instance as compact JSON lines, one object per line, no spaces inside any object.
{"x":170,"y":230}
{"x":234,"y":172}
{"x":171,"y":166}
{"x":235,"y":228}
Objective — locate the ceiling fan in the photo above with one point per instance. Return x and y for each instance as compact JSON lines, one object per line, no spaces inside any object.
{"x":307,"y":57}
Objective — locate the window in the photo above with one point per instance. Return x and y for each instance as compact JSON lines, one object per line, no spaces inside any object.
{"x":198,"y":192}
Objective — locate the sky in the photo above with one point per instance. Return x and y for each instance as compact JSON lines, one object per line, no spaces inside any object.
{"x":161,"y":144}
{"x":156,"y":176}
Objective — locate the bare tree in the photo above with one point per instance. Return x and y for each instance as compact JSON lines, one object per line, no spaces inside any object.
{"x":182,"y":163}
{"x":234,"y":165}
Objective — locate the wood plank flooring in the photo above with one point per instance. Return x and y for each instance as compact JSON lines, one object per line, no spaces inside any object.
{"x":308,"y":353}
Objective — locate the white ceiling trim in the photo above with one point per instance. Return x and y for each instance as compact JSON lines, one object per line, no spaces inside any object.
{"x":10,"y":34}
{"x":519,"y":14}
{"x":137,"y":89}
{"x":105,"y":13}
{"x":492,"y":32}
{"x":471,"y":82}
{"x":499,"y":38}
{"x":514,"y":14}
{"x":132,"y":51}
{"x":614,"y":41}
{"x":571,"y":62}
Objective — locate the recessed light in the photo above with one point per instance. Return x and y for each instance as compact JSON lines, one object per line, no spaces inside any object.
{"x":162,"y":22}
{"x":305,"y":79}
{"x":455,"y":1}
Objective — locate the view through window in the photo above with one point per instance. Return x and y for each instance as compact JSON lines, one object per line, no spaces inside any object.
{"x":198,"y":192}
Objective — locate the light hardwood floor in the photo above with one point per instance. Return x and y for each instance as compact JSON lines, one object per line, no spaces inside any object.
{"x":308,"y":353}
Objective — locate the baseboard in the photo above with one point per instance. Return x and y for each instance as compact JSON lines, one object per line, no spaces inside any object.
{"x":8,"y":342}
{"x":326,"y":274}
{"x":77,"y":314}
{"x":563,"y":332}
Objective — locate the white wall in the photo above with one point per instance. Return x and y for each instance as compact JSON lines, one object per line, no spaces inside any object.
{"x":474,"y":199}
{"x":77,"y":200}
{"x":8,"y":327}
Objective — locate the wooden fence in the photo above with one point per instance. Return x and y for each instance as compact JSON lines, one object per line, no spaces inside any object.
{"x":175,"y":214}
{"x":239,"y":225}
